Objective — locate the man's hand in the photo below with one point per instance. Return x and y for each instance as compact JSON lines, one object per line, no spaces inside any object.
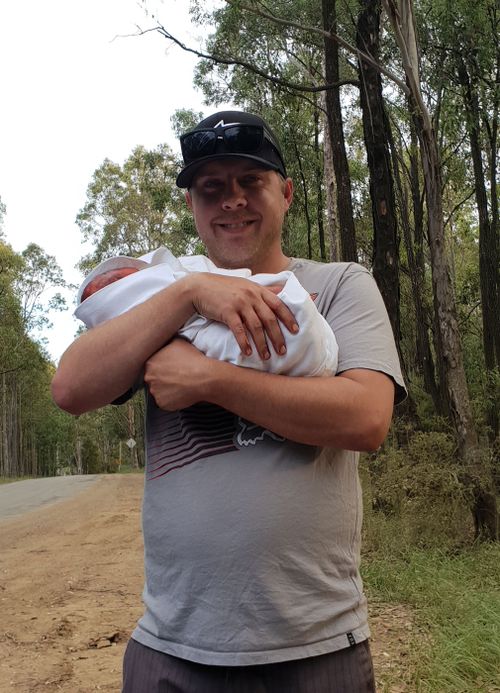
{"x":248,"y":309}
{"x":176,"y":375}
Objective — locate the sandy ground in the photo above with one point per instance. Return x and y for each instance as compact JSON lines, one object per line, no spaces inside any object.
{"x":70,"y":594}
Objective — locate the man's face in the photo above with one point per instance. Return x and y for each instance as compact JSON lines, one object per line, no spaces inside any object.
{"x":239,"y":209}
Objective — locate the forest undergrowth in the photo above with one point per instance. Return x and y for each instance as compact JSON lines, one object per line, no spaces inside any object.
{"x":451,"y":590}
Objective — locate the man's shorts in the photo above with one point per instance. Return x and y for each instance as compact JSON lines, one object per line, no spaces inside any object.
{"x":348,"y":670}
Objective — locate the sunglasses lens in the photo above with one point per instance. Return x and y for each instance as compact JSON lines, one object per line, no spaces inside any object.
{"x":197,"y":144}
{"x":243,"y":138}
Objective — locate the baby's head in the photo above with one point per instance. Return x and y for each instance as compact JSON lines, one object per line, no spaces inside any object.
{"x":105,"y":279}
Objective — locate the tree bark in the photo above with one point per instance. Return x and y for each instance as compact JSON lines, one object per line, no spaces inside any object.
{"x":347,"y":233}
{"x":319,"y":185}
{"x":332,"y":225}
{"x":376,"y":135}
{"x":488,"y":247}
{"x":417,"y":271}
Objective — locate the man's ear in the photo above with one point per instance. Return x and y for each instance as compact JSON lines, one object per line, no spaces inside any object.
{"x":187,"y":197}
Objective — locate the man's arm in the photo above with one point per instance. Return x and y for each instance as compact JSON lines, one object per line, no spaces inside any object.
{"x":351,"y":411}
{"x":106,"y":361}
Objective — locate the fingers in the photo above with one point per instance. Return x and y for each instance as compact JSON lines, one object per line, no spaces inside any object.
{"x":252,"y":312}
{"x":282,"y":311}
{"x":266,"y":331}
{"x":238,"y":329}
{"x":259,"y":326}
{"x":261,"y":323}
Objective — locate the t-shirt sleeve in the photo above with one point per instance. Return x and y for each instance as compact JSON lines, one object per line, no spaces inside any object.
{"x":138,"y":385}
{"x":359,"y":319}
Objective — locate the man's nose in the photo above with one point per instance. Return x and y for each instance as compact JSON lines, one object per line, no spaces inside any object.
{"x":234,"y":196}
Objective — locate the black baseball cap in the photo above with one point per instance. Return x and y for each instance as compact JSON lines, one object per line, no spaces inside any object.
{"x":228,"y":134}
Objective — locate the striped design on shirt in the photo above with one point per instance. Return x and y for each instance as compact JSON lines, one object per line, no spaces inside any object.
{"x":176,"y":439}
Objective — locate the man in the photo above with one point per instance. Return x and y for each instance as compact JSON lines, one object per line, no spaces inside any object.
{"x":252,"y":509}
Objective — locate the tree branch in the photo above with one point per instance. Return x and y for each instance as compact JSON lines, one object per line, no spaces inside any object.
{"x":360,"y":55}
{"x":13,"y":370}
{"x":457,"y":206}
{"x":159,"y":28}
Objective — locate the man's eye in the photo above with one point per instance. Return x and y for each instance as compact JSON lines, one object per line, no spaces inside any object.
{"x":211,"y":185}
{"x":250,"y":180}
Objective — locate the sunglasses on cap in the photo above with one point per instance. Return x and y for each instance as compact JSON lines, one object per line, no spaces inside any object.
{"x":237,"y":139}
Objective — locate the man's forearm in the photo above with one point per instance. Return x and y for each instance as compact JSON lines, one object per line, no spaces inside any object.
{"x":104,"y":362}
{"x":351,"y":411}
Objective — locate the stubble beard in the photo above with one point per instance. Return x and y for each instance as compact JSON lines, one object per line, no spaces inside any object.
{"x":251,"y":254}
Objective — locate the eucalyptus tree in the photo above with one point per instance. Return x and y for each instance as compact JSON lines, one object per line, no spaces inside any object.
{"x":26,"y":409}
{"x":134,"y":208}
{"x":36,"y":284}
{"x":463,"y":41}
{"x":378,"y":137}
{"x":449,"y":346}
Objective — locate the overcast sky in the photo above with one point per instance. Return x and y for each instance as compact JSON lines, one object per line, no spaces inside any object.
{"x":74,"y":93}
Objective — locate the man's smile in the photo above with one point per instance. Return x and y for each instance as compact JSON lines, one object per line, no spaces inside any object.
{"x":235,"y":225}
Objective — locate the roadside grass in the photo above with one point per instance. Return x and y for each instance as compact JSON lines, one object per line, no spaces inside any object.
{"x":455,"y":600}
{"x":129,"y":469}
{"x":11,"y":479}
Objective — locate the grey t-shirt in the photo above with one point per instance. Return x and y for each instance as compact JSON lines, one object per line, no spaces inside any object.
{"x":252,"y":541}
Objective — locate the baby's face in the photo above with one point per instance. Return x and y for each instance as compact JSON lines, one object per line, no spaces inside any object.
{"x":106,"y":278}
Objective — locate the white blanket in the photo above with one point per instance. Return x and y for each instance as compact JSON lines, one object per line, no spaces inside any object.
{"x":312,"y":351}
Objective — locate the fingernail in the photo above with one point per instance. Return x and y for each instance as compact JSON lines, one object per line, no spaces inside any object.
{"x":248,"y":351}
{"x":295,"y":327}
{"x":282,"y":350}
{"x":266,"y":355}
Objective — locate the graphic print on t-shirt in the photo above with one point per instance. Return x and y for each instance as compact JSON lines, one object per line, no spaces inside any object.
{"x":249,"y":433}
{"x":176,"y":439}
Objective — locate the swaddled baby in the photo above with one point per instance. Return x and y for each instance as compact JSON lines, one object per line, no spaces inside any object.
{"x":120,"y":283}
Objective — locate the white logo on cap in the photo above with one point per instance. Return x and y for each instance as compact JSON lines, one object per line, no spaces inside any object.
{"x":221,"y":123}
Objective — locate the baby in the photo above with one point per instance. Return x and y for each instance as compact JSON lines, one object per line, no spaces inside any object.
{"x":120,"y":283}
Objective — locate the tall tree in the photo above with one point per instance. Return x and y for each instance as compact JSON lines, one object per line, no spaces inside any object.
{"x":377,"y":138}
{"x":335,"y":132}
{"x":448,"y":337}
{"x":466,"y":41}
{"x":36,"y":285}
{"x":134,"y":208}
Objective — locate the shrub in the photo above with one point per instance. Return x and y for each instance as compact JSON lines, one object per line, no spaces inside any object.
{"x":416,"y":496}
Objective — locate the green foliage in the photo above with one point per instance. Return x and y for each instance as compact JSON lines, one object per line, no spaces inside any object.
{"x":184,"y":119}
{"x":421,"y":487}
{"x":31,"y":426}
{"x":134,"y":208}
{"x":35,"y":283}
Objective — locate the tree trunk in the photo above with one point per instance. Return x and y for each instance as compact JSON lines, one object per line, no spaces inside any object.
{"x":348,"y":251}
{"x":319,"y":186}
{"x":332,"y":225}
{"x":417,"y":270}
{"x":488,"y":248}
{"x":448,"y":338}
{"x":306,"y":201}
{"x":424,"y":362}
{"x":376,"y":135}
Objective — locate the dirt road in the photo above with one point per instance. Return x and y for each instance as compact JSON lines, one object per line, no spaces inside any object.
{"x":21,"y":496}
{"x":70,"y":594}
